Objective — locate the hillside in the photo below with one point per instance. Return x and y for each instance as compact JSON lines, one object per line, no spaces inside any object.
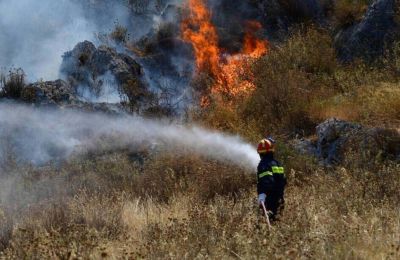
{"x":128,"y":129}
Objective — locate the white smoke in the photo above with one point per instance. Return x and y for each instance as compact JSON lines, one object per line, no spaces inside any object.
{"x":35,"y":34}
{"x":38,"y":135}
{"x":107,"y":93}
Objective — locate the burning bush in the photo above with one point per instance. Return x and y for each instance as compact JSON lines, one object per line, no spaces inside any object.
{"x":229,"y":72}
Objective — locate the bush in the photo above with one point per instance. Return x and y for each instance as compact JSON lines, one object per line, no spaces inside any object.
{"x":348,"y":12}
{"x":288,"y":79}
{"x":11,"y":85}
{"x":135,"y":95}
{"x":119,"y":34}
{"x":369,"y":105}
{"x":391,"y":60}
{"x":192,"y":174}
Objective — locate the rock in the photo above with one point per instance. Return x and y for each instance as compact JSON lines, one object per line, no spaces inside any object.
{"x":375,"y":144}
{"x":89,"y":67}
{"x":368,"y":38}
{"x":62,"y":95}
{"x":85,"y":63}
{"x":332,"y":136}
{"x":49,"y":92}
{"x":340,"y":142}
{"x":305,"y":146}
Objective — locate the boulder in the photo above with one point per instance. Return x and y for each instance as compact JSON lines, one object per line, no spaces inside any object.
{"x":368,"y":38}
{"x":85,"y":63}
{"x":89,"y":67}
{"x":340,"y":142}
{"x":332,"y":137}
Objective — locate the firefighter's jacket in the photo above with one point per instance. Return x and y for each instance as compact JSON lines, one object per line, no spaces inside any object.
{"x":270,"y":175}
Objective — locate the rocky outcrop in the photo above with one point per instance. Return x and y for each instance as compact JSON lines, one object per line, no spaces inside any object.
{"x":89,"y":67}
{"x":85,"y":63}
{"x":332,"y":137}
{"x":60,"y":94}
{"x":368,"y":38}
{"x":339,"y":141}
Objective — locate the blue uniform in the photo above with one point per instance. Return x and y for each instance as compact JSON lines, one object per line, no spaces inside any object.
{"x":271,"y":181}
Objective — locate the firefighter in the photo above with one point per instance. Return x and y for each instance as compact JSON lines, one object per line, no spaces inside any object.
{"x":271,"y":180}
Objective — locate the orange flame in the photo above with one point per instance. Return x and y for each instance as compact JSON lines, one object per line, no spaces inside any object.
{"x":253,"y":46}
{"x":230,"y":72}
{"x":201,"y":33}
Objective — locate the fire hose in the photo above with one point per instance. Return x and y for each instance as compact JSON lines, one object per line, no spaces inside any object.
{"x":266,"y":214}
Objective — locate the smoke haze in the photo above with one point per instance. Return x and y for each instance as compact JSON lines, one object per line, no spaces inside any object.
{"x":38,"y":136}
{"x":35,"y":34}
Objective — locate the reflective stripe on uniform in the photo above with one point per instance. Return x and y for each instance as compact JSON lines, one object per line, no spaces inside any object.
{"x":277,"y":169}
{"x":267,"y":173}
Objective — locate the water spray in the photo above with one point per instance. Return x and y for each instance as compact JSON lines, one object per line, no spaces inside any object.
{"x":40,"y":135}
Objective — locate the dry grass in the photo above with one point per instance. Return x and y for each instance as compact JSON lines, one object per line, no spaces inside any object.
{"x":330,"y":213}
{"x":140,"y":213}
{"x":370,"y":105}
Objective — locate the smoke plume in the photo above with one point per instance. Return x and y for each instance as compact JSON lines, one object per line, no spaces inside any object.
{"x":38,"y":135}
{"x":35,"y":34}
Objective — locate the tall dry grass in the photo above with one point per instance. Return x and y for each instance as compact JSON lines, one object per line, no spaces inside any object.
{"x":330,"y":213}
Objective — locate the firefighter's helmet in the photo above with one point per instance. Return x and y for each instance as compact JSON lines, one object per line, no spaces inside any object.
{"x":266,"y":145}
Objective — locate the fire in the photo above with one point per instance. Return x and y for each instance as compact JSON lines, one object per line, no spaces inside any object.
{"x":230,"y":72}
{"x":253,"y":46}
{"x":201,"y":33}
